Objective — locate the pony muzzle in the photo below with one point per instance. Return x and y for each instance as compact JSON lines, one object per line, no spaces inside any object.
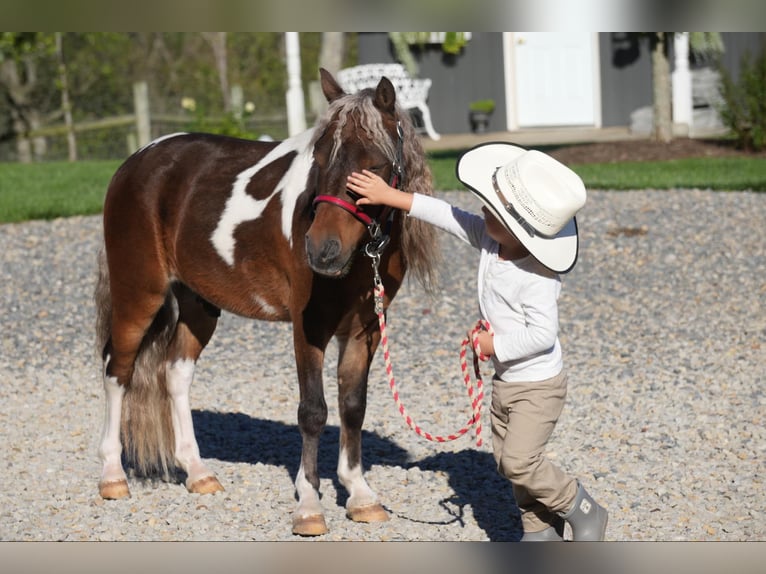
{"x":327,"y":257}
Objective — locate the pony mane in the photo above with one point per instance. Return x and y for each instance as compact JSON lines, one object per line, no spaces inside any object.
{"x":419,"y":242}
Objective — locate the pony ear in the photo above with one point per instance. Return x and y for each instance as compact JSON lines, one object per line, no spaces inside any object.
{"x":331,"y":88}
{"x":385,"y":95}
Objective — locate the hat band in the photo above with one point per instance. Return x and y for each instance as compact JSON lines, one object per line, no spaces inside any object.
{"x":528,"y":227}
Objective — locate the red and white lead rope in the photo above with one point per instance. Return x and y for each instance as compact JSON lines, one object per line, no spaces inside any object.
{"x":475,"y":394}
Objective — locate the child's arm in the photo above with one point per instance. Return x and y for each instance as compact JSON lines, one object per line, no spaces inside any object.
{"x":375,"y":191}
{"x":466,"y":226}
{"x":541,"y":323}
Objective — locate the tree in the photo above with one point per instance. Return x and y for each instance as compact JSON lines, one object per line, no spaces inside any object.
{"x":661,"y":87}
{"x":20,"y":55}
{"x":66,"y":104}
{"x":217,"y":41}
{"x":331,"y":51}
{"x":71,"y":77}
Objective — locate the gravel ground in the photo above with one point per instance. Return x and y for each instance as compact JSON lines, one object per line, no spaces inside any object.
{"x":664,"y":333}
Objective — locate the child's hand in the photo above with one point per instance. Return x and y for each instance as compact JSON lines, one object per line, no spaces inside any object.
{"x":375,"y":191}
{"x":486,"y":344}
{"x":371,"y":187}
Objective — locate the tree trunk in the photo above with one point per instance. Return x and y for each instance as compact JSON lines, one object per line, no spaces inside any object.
{"x":17,"y":98}
{"x":217,"y":41}
{"x":663,"y":123}
{"x":66,"y":105}
{"x":331,"y":52}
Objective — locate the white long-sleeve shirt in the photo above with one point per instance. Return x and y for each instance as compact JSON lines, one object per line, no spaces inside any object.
{"x":518,"y":298}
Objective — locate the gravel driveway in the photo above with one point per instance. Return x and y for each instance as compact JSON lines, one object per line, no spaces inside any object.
{"x":664,"y":332}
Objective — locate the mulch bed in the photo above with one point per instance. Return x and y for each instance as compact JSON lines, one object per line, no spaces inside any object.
{"x":648,"y":150}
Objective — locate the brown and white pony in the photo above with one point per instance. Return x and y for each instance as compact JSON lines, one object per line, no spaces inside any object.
{"x":196,"y":223}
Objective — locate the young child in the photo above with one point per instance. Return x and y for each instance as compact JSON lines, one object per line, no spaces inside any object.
{"x":528,"y":235}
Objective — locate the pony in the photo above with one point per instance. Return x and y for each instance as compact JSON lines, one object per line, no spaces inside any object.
{"x":198,"y":223}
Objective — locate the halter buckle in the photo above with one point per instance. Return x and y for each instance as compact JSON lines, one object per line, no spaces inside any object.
{"x":378,"y":241}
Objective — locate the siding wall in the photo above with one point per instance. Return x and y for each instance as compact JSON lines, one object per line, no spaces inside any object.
{"x":477,"y":73}
{"x":474,"y":74}
{"x":738,"y":43}
{"x":626,"y":76}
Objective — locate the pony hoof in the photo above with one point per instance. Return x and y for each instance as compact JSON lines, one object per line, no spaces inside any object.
{"x":114,"y":490}
{"x":370,"y":513}
{"x":207,"y":485}
{"x":309,"y":525}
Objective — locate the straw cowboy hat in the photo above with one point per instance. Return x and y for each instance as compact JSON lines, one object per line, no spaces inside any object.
{"x":532,"y":194}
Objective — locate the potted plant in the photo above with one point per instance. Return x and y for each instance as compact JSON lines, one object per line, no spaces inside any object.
{"x":479,"y":113}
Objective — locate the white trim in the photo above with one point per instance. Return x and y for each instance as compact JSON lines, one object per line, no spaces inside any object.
{"x":597,"y":112}
{"x":681,"y":79}
{"x":509,"y":72}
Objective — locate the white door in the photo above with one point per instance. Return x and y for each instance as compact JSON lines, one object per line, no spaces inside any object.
{"x":555,"y":78}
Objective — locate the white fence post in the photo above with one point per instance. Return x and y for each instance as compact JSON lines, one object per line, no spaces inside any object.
{"x":682,"y":83}
{"x":296,"y":111}
{"x":237,"y":101}
{"x":141,"y":105}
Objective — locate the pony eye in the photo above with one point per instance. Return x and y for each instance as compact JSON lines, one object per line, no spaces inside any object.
{"x":353,"y":195}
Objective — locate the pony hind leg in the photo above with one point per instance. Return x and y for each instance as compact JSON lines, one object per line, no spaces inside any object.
{"x":197,"y":320}
{"x":113,"y":483}
{"x":353,"y":368}
{"x":121,"y":337}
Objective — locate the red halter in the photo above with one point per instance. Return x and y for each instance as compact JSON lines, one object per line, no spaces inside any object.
{"x":348,"y":206}
{"x":353,"y":209}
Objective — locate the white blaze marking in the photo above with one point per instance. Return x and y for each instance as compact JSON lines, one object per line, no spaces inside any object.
{"x":241,"y":207}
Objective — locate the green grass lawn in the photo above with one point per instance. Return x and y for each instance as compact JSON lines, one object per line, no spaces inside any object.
{"x":723,"y":174}
{"x":55,"y":189}
{"x":61,"y":189}
{"x":726,"y":174}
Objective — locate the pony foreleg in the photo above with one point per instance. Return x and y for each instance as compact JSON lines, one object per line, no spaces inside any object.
{"x":362,"y":504}
{"x":308,"y":518}
{"x":353,"y":367}
{"x":113,"y":483}
{"x":200,"y":479}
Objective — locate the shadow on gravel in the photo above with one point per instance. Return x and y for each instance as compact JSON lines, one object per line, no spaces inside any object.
{"x":476,"y":482}
{"x":238,"y":437}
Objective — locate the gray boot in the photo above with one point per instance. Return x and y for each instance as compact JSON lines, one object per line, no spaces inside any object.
{"x":554,"y":533}
{"x":586,"y":517}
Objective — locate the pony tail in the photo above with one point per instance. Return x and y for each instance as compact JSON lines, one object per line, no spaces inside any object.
{"x":103,"y":299}
{"x":419,"y":241}
{"x":146,"y":424}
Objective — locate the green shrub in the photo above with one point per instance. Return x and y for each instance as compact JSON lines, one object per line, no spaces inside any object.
{"x":743,"y":109}
{"x":483,"y":106}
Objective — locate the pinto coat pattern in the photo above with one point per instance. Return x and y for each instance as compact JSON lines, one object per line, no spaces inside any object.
{"x":197,"y":223}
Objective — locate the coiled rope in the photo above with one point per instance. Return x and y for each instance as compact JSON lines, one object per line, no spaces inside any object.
{"x":475,"y":394}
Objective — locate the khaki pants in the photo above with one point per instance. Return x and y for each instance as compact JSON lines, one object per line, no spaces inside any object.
{"x":524,"y":415}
